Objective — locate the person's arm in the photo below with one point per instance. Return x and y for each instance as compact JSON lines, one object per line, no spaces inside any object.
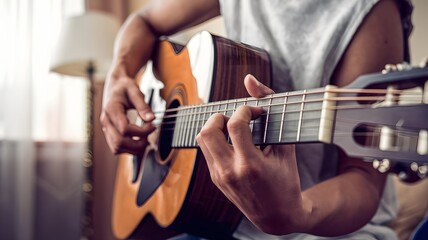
{"x":264,"y":184}
{"x":132,"y":50}
{"x":354,"y":195}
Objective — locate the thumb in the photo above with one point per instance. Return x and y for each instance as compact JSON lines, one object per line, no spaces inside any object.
{"x":255,"y":88}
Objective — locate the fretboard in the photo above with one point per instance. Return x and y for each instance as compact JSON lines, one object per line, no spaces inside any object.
{"x":292,"y":117}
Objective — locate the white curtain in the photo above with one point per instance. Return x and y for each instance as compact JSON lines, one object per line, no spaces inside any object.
{"x":35,"y":107}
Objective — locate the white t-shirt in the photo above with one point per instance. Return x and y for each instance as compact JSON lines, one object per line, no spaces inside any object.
{"x":306,"y":39}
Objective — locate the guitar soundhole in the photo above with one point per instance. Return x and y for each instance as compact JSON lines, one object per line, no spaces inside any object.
{"x":167,"y":130}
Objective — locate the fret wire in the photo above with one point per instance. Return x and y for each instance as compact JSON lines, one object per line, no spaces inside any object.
{"x":185,"y":127}
{"x":300,"y":117}
{"x":179,"y":128}
{"x":174,"y":137}
{"x":186,"y":121}
{"x":197,"y":124}
{"x":282,"y":118}
{"x":253,"y":121}
{"x":180,"y":136}
{"x":191,"y":125}
{"x":233,"y":111}
{"x":218,"y":108}
{"x":200,"y":124}
{"x":195,"y":128}
{"x":267,"y":120}
{"x":225,"y":114}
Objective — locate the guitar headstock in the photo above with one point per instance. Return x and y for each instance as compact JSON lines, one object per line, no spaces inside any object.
{"x":383,"y":118}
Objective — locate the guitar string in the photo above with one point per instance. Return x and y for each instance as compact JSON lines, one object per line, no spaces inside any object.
{"x":287,"y":111}
{"x":414,"y":100}
{"x":313,"y":92}
{"x":298,"y":93}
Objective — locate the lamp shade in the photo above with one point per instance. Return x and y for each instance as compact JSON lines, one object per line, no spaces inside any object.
{"x":85,"y":40}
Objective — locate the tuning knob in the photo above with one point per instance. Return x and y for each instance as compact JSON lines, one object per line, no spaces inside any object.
{"x":422,"y":171}
{"x":389,"y":68}
{"x":396,"y":67}
{"x":382,"y":165}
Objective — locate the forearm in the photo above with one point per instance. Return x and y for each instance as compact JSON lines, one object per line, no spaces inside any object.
{"x":346,"y":202}
{"x":137,"y":37}
{"x":133,"y":47}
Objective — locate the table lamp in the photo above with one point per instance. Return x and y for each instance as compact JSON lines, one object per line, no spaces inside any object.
{"x":85,"y":49}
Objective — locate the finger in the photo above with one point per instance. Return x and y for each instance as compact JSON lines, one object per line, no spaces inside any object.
{"x":133,"y":130}
{"x":239,"y":129}
{"x":208,"y":157}
{"x":136,"y":98}
{"x":215,"y":164}
{"x":213,"y":138}
{"x":120,"y":144}
{"x":255,"y":88}
{"x":135,"y":147}
{"x":115,"y":114}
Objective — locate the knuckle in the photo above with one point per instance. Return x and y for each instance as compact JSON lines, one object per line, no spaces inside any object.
{"x":117,"y":146}
{"x":121,"y":128}
{"x":103,"y":119}
{"x":228,"y":178}
{"x":205,"y":133}
{"x":235,"y":125}
{"x":108,"y":108}
{"x":115,"y":149}
{"x":250,"y":172}
{"x":214,"y":178}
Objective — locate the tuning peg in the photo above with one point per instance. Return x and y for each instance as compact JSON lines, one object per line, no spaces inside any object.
{"x":396,"y":67}
{"x":389,"y":68}
{"x":418,"y":169}
{"x":404,"y":66}
{"x":382,"y":165}
{"x":414,"y":166}
{"x":422,"y":171}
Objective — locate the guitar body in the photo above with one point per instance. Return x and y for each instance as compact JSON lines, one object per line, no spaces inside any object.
{"x":169,"y":190}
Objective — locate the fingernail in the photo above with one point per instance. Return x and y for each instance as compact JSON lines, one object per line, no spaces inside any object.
{"x":148,"y":116}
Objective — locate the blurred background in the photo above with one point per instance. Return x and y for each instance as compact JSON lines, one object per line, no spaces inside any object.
{"x":50,"y":188}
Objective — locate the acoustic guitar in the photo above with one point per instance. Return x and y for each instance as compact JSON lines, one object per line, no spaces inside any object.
{"x":168,"y":190}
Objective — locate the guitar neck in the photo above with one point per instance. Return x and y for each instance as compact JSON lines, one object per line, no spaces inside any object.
{"x":291,"y":117}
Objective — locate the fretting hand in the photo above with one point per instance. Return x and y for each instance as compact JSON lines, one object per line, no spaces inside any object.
{"x":263,"y":184}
